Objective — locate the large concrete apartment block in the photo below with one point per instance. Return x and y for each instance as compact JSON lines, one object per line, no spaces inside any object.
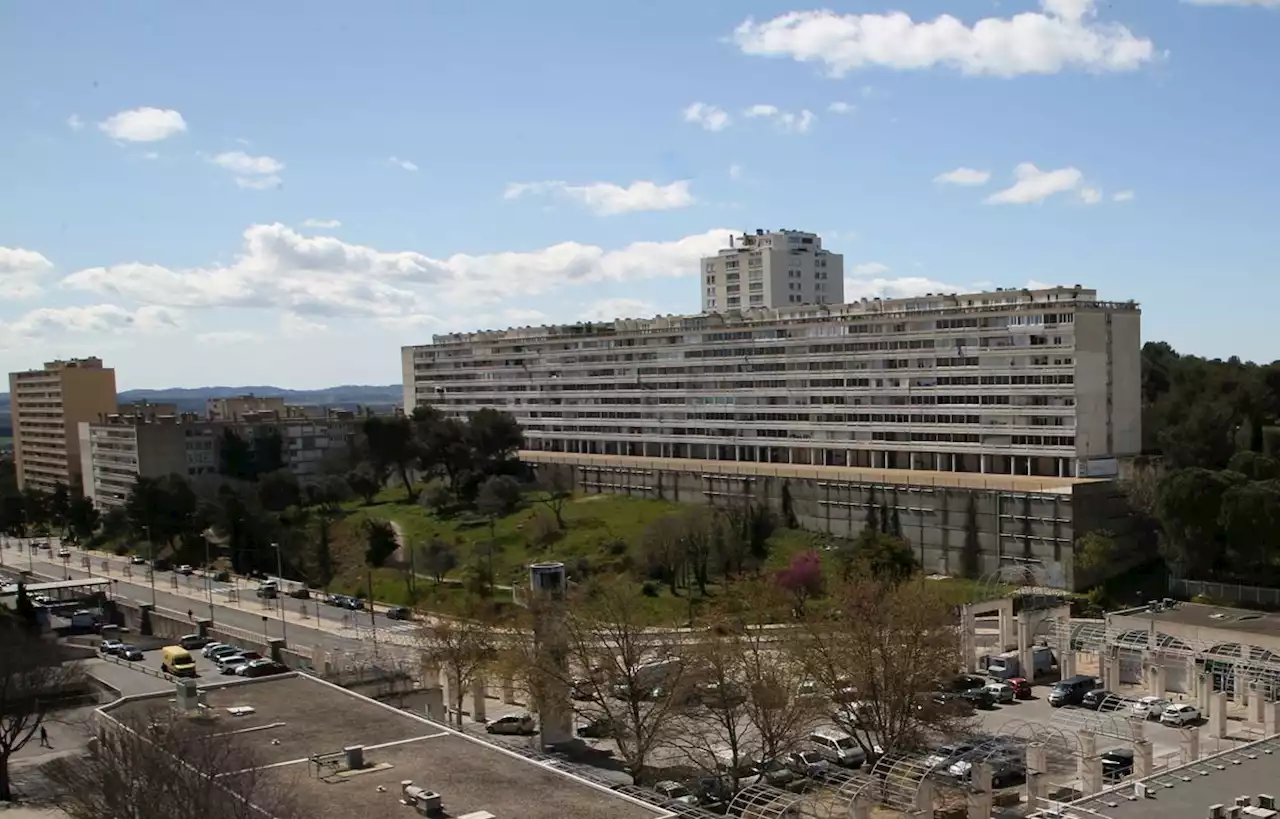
{"x":47,"y":406}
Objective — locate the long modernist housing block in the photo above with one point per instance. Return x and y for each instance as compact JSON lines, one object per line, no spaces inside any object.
{"x":1041,"y":382}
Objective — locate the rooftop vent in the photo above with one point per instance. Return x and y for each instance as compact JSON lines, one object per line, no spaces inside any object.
{"x":1266,"y":801}
{"x":355,"y":757}
{"x":425,"y":802}
{"x":1217,"y":811}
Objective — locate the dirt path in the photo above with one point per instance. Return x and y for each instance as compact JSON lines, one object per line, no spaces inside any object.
{"x":399,"y":555}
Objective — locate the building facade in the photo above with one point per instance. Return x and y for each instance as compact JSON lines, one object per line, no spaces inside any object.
{"x":1014,"y":382}
{"x":47,"y":406}
{"x":772,"y":269}
{"x":118,"y":448}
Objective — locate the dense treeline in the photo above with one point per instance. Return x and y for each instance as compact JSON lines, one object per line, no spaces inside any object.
{"x":1210,"y":490}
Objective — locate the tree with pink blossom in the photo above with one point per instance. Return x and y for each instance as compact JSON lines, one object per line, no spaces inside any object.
{"x":802,"y":578}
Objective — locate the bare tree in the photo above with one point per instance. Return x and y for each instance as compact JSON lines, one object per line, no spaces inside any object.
{"x":877,"y":649}
{"x":716,"y":735}
{"x":33,"y":675}
{"x":462,"y":648}
{"x":165,"y":766}
{"x":627,"y":675}
{"x":553,"y":492}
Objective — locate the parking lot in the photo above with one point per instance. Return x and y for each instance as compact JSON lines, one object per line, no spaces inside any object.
{"x":150,"y":666}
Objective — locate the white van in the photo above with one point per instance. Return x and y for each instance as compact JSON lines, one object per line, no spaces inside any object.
{"x":837,"y":747}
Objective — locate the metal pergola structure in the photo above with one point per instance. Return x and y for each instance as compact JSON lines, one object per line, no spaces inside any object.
{"x":761,"y":801}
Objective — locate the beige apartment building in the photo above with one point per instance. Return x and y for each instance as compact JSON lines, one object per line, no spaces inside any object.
{"x":117,"y":448}
{"x":1014,"y":382}
{"x":780,"y":268}
{"x":47,"y":406}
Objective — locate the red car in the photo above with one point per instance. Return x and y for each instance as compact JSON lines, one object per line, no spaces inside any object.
{"x":1021,"y":688}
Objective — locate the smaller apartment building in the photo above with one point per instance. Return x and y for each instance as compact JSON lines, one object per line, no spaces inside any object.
{"x":116,"y":449}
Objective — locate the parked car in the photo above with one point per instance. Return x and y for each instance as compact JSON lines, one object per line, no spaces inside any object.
{"x":229,"y":663}
{"x":185,"y":569}
{"x":772,"y":772}
{"x":1071,"y":690}
{"x":355,"y":603}
{"x":64,"y":553}
{"x":130,"y":652}
{"x":212,"y":647}
{"x":110,"y":648}
{"x":1021,"y":687}
{"x":837,"y":747}
{"x":1000,"y":692}
{"x":261,"y":668}
{"x":300,"y":593}
{"x":400,"y":613}
{"x":513,"y":724}
{"x":598,"y":728}
{"x":673,"y":791}
{"x":1179,"y":714}
{"x":945,"y":756}
{"x":809,"y":764}
{"x":222,"y":651}
{"x":1100,"y":699}
{"x":339,"y":600}
{"x":1117,"y":764}
{"x":964,"y":682}
{"x":1008,"y":767}
{"x":950,"y":702}
{"x":979,"y":698}
{"x":191,"y":642}
{"x":1148,"y":707}
{"x":138,"y":560}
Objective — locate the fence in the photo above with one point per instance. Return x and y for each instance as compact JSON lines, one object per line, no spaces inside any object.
{"x":1229,"y":592}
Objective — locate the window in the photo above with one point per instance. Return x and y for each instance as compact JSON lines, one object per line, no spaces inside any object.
{"x":711,"y":279}
{"x":757,"y":298}
{"x":734,"y":301}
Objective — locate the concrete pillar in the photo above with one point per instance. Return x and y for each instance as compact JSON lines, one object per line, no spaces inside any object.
{"x":1089,"y":767}
{"x":1142,"y":759}
{"x":1008,"y":628}
{"x":430,"y":674}
{"x":275,"y":649}
{"x":508,"y":691}
{"x":145,"y":626}
{"x":202,"y":626}
{"x":924,"y":797}
{"x":1204,"y":693}
{"x":477,"y":699}
{"x":1113,"y":672}
{"x":1218,"y":715}
{"x":860,"y":809}
{"x":1190,"y":746}
{"x":1256,"y":704}
{"x":1067,"y":663}
{"x":434,"y":705}
{"x":982,"y":464}
{"x":979,"y":801}
{"x":1156,"y":678}
{"x":1240,"y":688}
{"x":1271,"y":718}
{"x":968,"y":641}
{"x":953,"y":462}
{"x":1037,"y":767}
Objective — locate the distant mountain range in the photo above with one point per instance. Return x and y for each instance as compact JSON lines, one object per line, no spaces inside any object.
{"x":192,"y":399}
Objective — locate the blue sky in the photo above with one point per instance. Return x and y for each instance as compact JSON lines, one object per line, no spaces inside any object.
{"x":287,"y":192}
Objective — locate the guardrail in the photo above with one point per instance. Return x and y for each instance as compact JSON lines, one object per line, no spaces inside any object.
{"x":137,"y":666}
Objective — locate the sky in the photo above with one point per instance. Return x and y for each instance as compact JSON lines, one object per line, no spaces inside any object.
{"x":288,"y":192}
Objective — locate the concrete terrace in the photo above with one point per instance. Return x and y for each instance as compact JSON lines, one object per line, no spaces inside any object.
{"x":297,"y":717}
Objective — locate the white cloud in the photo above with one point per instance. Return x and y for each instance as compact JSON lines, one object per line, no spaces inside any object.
{"x":798,"y":123}
{"x":402,"y":164}
{"x":323,"y":224}
{"x":227,"y":338}
{"x":967,"y":177}
{"x":98,"y":318}
{"x":840,"y":108}
{"x":608,"y":199}
{"x":1127,"y":196}
{"x":1035,"y":185}
{"x":868,"y":269}
{"x":735,"y":172}
{"x":280,"y":268}
{"x":610,"y":309}
{"x":709,"y":117}
{"x":855,"y":289}
{"x":75,"y":123}
{"x":21,"y":272}
{"x":143,"y":125}
{"x":1063,"y":35}
{"x":292,"y":325}
{"x":1090,"y":196}
{"x":252,"y":172}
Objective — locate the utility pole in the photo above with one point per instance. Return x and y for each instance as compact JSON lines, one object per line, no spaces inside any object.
{"x":373,"y":623}
{"x":208,"y":578}
{"x":152,"y":569}
{"x":279,"y":596}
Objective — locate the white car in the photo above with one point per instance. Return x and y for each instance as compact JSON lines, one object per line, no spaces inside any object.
{"x":185,"y":569}
{"x":1179,"y":714}
{"x":1149,"y":707}
{"x":209,"y":649}
{"x":1000,"y":692}
{"x":64,"y":553}
{"x":512,"y":724}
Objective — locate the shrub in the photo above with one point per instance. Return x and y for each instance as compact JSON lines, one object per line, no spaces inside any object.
{"x":650,"y":589}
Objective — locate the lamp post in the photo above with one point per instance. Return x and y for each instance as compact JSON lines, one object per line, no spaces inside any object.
{"x":151,"y":570}
{"x":208,"y":578}
{"x":279,"y":596}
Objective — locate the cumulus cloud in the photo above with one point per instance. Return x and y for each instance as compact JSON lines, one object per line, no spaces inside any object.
{"x":292,"y":325}
{"x":1122,"y":196}
{"x":608,"y":199}
{"x":1062,"y":35}
{"x":143,"y":125}
{"x":402,"y":164}
{"x":227,"y":338}
{"x":312,"y":276}
{"x":708,"y":117}
{"x":100,"y":319}
{"x":967,"y":177}
{"x":787,"y":121}
{"x":251,"y":172}
{"x":840,"y":108}
{"x":869,"y":269}
{"x":1090,"y":196}
{"x":855,"y":289}
{"x":610,"y":309}
{"x":1034,"y":185}
{"x":21,"y":272}
{"x":322,"y":224}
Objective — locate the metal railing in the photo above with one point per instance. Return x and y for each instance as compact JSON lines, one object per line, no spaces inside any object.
{"x":1230,"y":592}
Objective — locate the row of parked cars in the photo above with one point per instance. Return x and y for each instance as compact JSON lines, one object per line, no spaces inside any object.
{"x":1085,"y":691}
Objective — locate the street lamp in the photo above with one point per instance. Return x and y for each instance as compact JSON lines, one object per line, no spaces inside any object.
{"x":151,"y":570}
{"x":279,"y":597}
{"x":208,"y":578}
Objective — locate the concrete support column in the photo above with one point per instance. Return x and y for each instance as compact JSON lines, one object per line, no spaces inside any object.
{"x":924,"y":797}
{"x":982,"y":464}
{"x":1190,"y":746}
{"x":1240,"y":688}
{"x":508,"y":691}
{"x":1256,"y":704}
{"x":1271,"y":717}
{"x":1023,"y":630}
{"x":1037,"y":767}
{"x":430,"y":674}
{"x":979,"y":801}
{"x":1218,"y":715}
{"x":434,"y":705}
{"x":1204,"y":693}
{"x":1067,"y":663}
{"x":1008,"y":627}
{"x":968,"y":643}
{"x":860,"y":809}
{"x":953,"y":462}
{"x":1156,"y":679}
{"x":1089,"y":766}
{"x":202,"y":626}
{"x":477,"y":699}
{"x":1143,"y":761}
{"x":275,"y":649}
{"x":145,"y":626}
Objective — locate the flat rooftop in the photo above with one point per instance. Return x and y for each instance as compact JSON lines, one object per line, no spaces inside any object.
{"x":895,"y":477}
{"x":58,"y":585}
{"x":1204,"y":616}
{"x":1188,"y":791}
{"x":296,"y":717}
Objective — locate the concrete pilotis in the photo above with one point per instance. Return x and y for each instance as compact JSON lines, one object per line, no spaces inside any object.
{"x":1190,"y":746}
{"x":1067,"y":663}
{"x":477,"y":699}
{"x":1218,"y":715}
{"x":1090,"y":765}
{"x":1271,"y":718}
{"x":1143,"y":763}
{"x":508,"y":691}
{"x":924,"y":797}
{"x":1037,"y":767}
{"x":1256,"y":703}
{"x":979,"y":801}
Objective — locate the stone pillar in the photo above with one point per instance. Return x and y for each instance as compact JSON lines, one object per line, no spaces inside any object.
{"x":1143,"y":763}
{"x":1257,"y":704}
{"x":430,"y":674}
{"x":477,"y":699}
{"x":1090,"y":764}
{"x":1271,"y":718}
{"x":434,"y":705}
{"x":1066,"y":663}
{"x":508,"y":690}
{"x":1037,"y":767}
{"x":1023,"y":628}
{"x":979,"y":800}
{"x":1156,"y":679}
{"x":1008,"y":630}
{"x":1190,"y":746}
{"x":1113,"y":672}
{"x":1240,"y":688}
{"x":202,"y":626}
{"x":1218,"y":715}
{"x":1204,"y":693}
{"x":145,"y":626}
{"x":924,"y":797}
{"x":860,"y":809}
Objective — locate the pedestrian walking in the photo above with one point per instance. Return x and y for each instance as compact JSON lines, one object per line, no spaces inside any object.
{"x":44,"y":738}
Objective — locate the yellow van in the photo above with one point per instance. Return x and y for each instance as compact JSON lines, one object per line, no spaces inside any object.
{"x":177,"y":660}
